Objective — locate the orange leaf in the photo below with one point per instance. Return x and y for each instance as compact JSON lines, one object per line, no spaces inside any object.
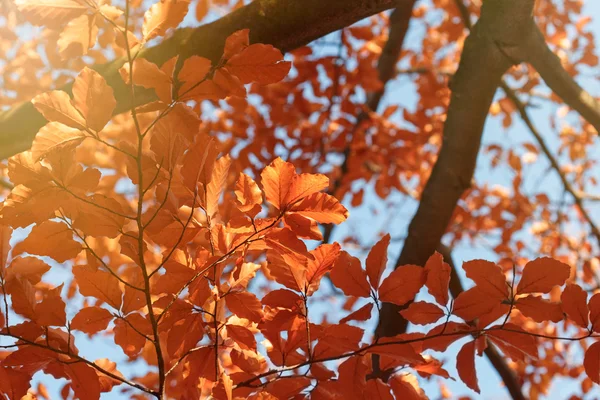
{"x":324,"y":258}
{"x":465,"y":365}
{"x":193,"y":71}
{"x":56,"y":106}
{"x":377,"y":261}
{"x":52,"y":239}
{"x":488,"y":277}
{"x":245,"y":305}
{"x":84,"y":380}
{"x":22,"y":294}
{"x":594,"y":306}
{"x":52,"y":13}
{"x":91,"y":320}
{"x":574,"y":304}
{"x":93,"y":98}
{"x":242,"y":336}
{"x":55,"y":136}
{"x":99,"y":284}
{"x":127,"y":337}
{"x":276,"y":179}
{"x":514,"y":341}
{"x":216,"y":185}
{"x":259,"y":63}
{"x":51,"y":310}
{"x":236,"y":42}
{"x":78,"y":37}
{"x":591,"y":362}
{"x":438,"y":278}
{"x":148,"y":75}
{"x":362,"y":314}
{"x":377,"y":390}
{"x":422,"y":313}
{"x":541,"y":275}
{"x":539,"y":309}
{"x":248,"y":194}
{"x":348,"y":275}
{"x":406,"y":387}
{"x":162,"y":16}
{"x":402,"y":285}
{"x":322,"y":208}
{"x":29,"y":268}
{"x":474,"y":303}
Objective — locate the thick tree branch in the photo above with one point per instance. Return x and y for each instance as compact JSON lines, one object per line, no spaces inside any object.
{"x":483,"y":62}
{"x":286,"y":24}
{"x":548,"y":65}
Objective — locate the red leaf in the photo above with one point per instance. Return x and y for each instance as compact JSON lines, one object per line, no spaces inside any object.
{"x":377,"y":261}
{"x":362,"y":314}
{"x":594,"y":306}
{"x":539,"y":309}
{"x":465,"y":365}
{"x":474,"y":303}
{"x":574,"y":304}
{"x":591,"y":362}
{"x":541,"y":275}
{"x":259,"y":63}
{"x":422,"y":313}
{"x":348,"y":275}
{"x":91,"y":320}
{"x":245,"y":305}
{"x":488,"y":277}
{"x":514,"y":341}
{"x":402,"y":285}
{"x":377,"y":390}
{"x":438,"y":278}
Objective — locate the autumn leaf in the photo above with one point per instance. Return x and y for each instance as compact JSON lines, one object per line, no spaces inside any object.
{"x":402,"y":285}
{"x":377,"y":261}
{"x":93,"y":98}
{"x":513,"y":341}
{"x":422,"y":313}
{"x":438,"y":278}
{"x":162,"y":16}
{"x":148,"y":75}
{"x":465,"y":365}
{"x":322,"y":208}
{"x":591,"y":362}
{"x":377,"y":390}
{"x":541,"y":275}
{"x":56,"y":106}
{"x":324,"y":258}
{"x":55,"y":136}
{"x":78,"y":36}
{"x":91,"y":320}
{"x":248,"y":195}
{"x":488,"y":277}
{"x":362,"y":314}
{"x":539,"y":309}
{"x":51,"y":13}
{"x":474,"y":303}
{"x":99,"y":284}
{"x":52,"y":239}
{"x":594,"y":306}
{"x":348,"y":275}
{"x":259,"y":63}
{"x":574,"y":304}
{"x":216,"y":185}
{"x":245,"y":305}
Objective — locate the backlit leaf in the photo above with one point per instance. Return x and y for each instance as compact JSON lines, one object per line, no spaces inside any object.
{"x":541,"y":275}
{"x":465,"y":365}
{"x":402,"y":285}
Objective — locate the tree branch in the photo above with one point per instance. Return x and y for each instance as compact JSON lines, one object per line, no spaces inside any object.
{"x":286,"y":24}
{"x":548,"y":65}
{"x":473,"y":86}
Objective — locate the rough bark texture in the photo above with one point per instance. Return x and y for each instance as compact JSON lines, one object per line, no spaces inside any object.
{"x":286,"y":24}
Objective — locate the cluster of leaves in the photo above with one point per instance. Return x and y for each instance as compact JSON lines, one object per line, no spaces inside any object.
{"x":186,"y":263}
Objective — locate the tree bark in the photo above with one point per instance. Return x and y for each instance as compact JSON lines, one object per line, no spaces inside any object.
{"x":286,"y":24}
